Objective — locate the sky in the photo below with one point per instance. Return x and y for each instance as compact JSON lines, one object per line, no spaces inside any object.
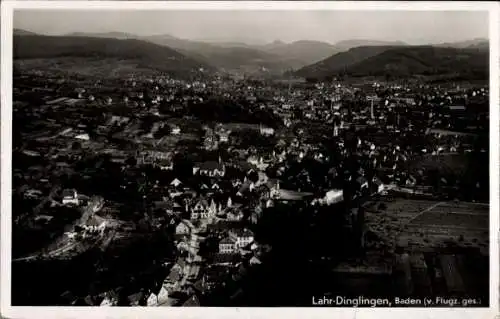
{"x":413,"y":27}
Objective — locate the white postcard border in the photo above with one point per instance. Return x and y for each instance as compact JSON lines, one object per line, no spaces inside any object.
{"x":173,"y":312}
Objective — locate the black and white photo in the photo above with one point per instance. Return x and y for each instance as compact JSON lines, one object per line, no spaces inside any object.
{"x":250,"y":158}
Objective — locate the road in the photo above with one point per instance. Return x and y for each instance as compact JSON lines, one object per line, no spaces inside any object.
{"x":64,"y":244}
{"x":191,"y":270}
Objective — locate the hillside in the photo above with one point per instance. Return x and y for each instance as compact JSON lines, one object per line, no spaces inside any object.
{"x":349,"y":44}
{"x":403,"y":62}
{"x":475,"y":43}
{"x":140,"y":53}
{"x":425,"y":61}
{"x":115,"y":35}
{"x":21,"y":32}
{"x":301,"y":52}
{"x":340,"y":61}
{"x":225,"y":55}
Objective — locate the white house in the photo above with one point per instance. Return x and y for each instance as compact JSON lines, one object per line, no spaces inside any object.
{"x":182,"y":229}
{"x":266,"y":130}
{"x":175,"y":183}
{"x":109,"y":300}
{"x":227,"y":245}
{"x":255,"y":261}
{"x":158,"y":298}
{"x":70,"y":197}
{"x":211,"y":169}
{"x":378,"y":185}
{"x":334,"y":196}
{"x":176,"y":130}
{"x":84,"y":137}
{"x":235,"y":215}
{"x":204,"y":210}
{"x":242,"y":237}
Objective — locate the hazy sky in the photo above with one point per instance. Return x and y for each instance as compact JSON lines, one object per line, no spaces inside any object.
{"x":415,"y":27}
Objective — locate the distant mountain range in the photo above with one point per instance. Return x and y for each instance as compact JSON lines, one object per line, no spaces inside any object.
{"x":475,"y":43}
{"x":308,"y":58}
{"x":403,"y":61}
{"x":277,"y":56}
{"x":141,"y":53}
{"x":23,"y":32}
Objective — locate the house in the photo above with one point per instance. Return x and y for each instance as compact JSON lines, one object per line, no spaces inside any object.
{"x":183,"y":228}
{"x":236,"y":183}
{"x":269,"y":203}
{"x":256,"y":214}
{"x":110,"y":299}
{"x":137,"y":299}
{"x":334,"y":196}
{"x":332,"y":172}
{"x":83,"y":137}
{"x":263,"y":191}
{"x":175,"y":183}
{"x":256,"y":161}
{"x":202,"y":209}
{"x":456,"y":108}
{"x":215,"y":187}
{"x":176,"y":130}
{"x":210,"y":168}
{"x":274,"y":188}
{"x":164,"y":206}
{"x":255,"y":261}
{"x":243,"y":237}
{"x":95,"y":224}
{"x":234,"y":215}
{"x":246,"y":187}
{"x":223,"y":137}
{"x":362,"y":183}
{"x":166,"y":164}
{"x":182,"y":245}
{"x":70,"y":197}
{"x":172,"y":282}
{"x":227,"y":245}
{"x":199,"y":208}
{"x":266,"y":131}
{"x":68,"y":297}
{"x":193,"y":301}
{"x":378,"y":185}
{"x":411,"y":181}
{"x":199,"y":287}
{"x":211,"y":210}
{"x":158,"y":296}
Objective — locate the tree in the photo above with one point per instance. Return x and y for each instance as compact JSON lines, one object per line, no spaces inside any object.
{"x":76,"y":146}
{"x":131,"y":161}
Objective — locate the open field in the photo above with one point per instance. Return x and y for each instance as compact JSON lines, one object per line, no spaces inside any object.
{"x":428,"y":225}
{"x":293,"y":195}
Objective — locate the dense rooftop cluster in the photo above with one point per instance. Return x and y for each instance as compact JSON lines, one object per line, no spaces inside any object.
{"x":180,"y":186}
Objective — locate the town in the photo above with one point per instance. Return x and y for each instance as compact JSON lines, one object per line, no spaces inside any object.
{"x":192,"y":189}
{"x":239,"y":158}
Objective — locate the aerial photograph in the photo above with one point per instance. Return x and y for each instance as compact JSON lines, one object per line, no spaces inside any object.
{"x":239,"y":158}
